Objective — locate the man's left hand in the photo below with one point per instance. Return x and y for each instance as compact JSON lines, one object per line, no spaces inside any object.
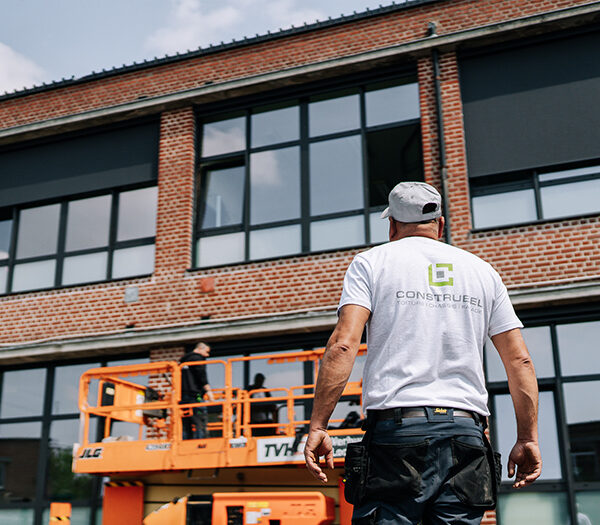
{"x":318,"y":444}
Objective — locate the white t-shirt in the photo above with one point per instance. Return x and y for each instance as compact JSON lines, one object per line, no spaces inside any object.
{"x":432,"y":306}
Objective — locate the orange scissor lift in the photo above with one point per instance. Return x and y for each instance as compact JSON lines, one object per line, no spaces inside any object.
{"x":145,"y":399}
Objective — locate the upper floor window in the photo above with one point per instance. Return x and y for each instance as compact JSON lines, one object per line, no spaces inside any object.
{"x":78,"y":241}
{"x":306,"y":175}
{"x":535,"y":196}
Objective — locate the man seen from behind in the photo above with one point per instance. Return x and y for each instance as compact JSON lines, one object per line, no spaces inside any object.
{"x":428,"y":308}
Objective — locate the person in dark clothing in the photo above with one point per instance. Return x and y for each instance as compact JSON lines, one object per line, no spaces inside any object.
{"x":261,"y":412}
{"x":194,"y":386}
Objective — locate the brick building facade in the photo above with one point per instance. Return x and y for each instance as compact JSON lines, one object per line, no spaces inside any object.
{"x":492,"y":102}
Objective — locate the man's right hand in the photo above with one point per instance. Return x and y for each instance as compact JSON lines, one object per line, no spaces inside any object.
{"x":318,"y":444}
{"x":526,"y":456}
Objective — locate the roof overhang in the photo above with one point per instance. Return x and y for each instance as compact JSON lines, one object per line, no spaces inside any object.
{"x":566,"y":18}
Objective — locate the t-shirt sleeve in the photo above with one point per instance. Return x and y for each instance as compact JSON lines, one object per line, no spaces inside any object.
{"x":357,"y":285}
{"x":503,"y":316}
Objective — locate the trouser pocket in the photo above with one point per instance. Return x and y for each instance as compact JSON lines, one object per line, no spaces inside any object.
{"x":471,"y":475}
{"x":355,"y":472}
{"x":395,"y":471}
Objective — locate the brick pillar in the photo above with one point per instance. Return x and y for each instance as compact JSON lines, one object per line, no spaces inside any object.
{"x":176,"y":193}
{"x":456,"y":158}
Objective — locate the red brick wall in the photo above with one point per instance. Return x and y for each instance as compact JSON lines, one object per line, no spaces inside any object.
{"x":562,"y":250}
{"x":311,"y":47}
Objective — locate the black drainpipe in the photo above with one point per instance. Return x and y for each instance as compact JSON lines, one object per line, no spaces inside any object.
{"x":441,"y":139}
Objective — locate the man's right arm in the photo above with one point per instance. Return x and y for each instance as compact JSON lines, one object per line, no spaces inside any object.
{"x":522,"y":384}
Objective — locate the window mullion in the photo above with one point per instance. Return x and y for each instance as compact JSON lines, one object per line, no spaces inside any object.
{"x":12,"y":251}
{"x":112,"y":236}
{"x":60,"y":249}
{"x":563,"y":431}
{"x":246,"y":213}
{"x":304,"y":178}
{"x":365,"y":165}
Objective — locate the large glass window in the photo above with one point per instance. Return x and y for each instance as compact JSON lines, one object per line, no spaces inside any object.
{"x":568,"y":371}
{"x":535,"y":196}
{"x":78,"y":241}
{"x":306,"y":175}
{"x":39,"y":423}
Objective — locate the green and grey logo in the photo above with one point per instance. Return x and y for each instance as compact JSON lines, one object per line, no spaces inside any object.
{"x":439,"y":274}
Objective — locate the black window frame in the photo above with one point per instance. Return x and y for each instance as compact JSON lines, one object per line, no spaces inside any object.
{"x":41,"y":502}
{"x":530,"y":180}
{"x":61,"y":253}
{"x":551,"y":318}
{"x":302,"y":97}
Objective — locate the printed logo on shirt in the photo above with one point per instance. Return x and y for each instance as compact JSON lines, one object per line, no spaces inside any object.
{"x":440,"y":274}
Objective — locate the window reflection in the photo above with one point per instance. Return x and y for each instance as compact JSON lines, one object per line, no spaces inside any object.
{"x":224,"y":136}
{"x":275,"y":126}
{"x":137,"y":214}
{"x":337,"y":233}
{"x":84,"y":268}
{"x":5,"y":235}
{"x":336,"y":176}
{"x":130,"y":262}
{"x":220,"y":249}
{"x":538,"y":343}
{"x":23,"y":393}
{"x":38,"y":231}
{"x":20,"y":449}
{"x":3,"y":277}
{"x":506,"y":432}
{"x":63,"y":484}
{"x":534,"y":508}
{"x":504,"y":208}
{"x":575,"y":344}
{"x":379,"y":228}
{"x":222,"y":197}
{"x":88,"y":223}
{"x":275,"y":185}
{"x":33,"y":275}
{"x":583,"y":421}
{"x":333,"y":115}
{"x":275,"y":242}
{"x":392,"y":104}
{"x":576,"y":198}
{"x":16,"y":516}
{"x":66,"y":387}
{"x":588,"y":507}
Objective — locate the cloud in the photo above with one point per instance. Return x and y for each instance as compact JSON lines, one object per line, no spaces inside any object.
{"x":17,"y":71}
{"x":192,"y":24}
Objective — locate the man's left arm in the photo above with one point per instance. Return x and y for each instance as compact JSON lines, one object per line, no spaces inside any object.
{"x":334,"y":372}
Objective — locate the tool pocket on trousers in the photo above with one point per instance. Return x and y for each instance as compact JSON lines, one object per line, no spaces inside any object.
{"x":355,"y":472}
{"x":395,"y":470}
{"x":471,"y":475}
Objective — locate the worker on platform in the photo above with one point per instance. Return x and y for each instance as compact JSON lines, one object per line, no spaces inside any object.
{"x":194,"y":388}
{"x":261,"y":412}
{"x":428,"y":308}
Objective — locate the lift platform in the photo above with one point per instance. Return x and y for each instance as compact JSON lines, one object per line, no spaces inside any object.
{"x":139,"y":409}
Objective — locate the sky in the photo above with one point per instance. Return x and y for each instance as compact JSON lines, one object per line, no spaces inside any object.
{"x":48,"y":40}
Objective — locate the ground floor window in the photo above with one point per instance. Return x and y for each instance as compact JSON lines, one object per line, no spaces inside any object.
{"x":565,"y":353}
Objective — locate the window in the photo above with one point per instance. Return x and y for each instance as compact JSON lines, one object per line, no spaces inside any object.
{"x":306,"y":175}
{"x":39,"y":423}
{"x":78,"y":241}
{"x":568,"y":370}
{"x":535,"y":196}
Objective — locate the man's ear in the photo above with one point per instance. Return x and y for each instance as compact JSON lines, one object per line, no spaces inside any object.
{"x":441,"y":224}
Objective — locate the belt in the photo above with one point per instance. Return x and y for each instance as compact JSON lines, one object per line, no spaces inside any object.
{"x":402,"y":412}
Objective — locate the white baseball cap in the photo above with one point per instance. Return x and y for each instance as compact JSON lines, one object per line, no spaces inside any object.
{"x":413,"y":202}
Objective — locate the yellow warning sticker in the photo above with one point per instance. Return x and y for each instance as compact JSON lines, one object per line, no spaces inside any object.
{"x":257,"y":504}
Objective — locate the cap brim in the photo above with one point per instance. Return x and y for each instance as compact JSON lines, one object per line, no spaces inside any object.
{"x":385,"y":213}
